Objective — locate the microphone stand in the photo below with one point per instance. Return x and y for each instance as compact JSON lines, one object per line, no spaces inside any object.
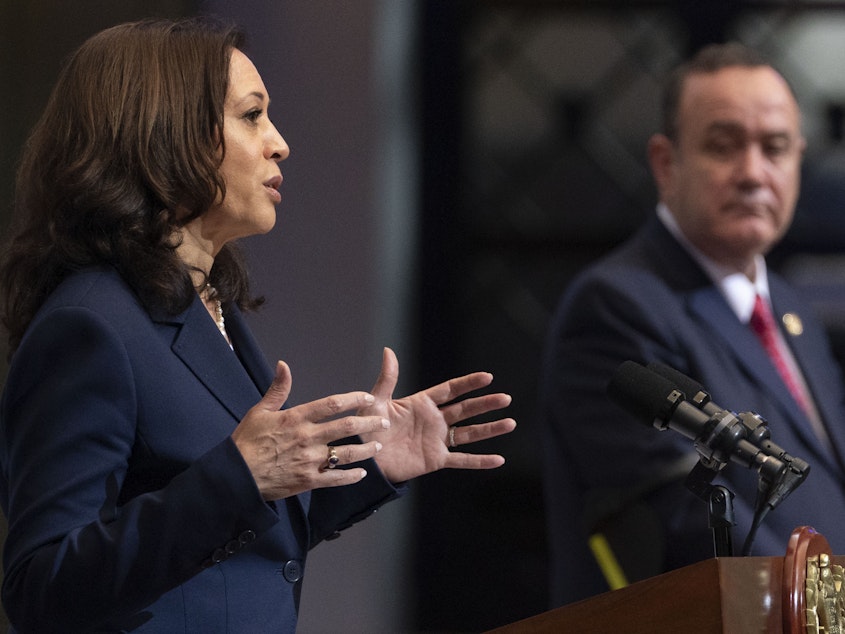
{"x":720,"y":508}
{"x":779,"y":475}
{"x":720,"y":437}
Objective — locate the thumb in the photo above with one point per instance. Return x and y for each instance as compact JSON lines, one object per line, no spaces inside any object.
{"x":279,"y":389}
{"x":388,"y":377}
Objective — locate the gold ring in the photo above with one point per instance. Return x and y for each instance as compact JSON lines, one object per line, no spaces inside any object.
{"x":332,"y":460}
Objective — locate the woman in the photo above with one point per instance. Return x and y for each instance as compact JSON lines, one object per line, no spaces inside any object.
{"x":150,"y":479}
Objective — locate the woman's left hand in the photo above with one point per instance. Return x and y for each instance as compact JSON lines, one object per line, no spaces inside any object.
{"x":421,"y":425}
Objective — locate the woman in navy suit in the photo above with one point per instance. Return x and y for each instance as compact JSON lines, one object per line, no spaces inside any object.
{"x":150,"y":478}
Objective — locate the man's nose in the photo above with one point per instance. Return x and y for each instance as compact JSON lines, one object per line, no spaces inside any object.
{"x":751,"y":166}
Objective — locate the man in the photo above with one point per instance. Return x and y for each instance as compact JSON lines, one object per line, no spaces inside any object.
{"x":682,"y":292}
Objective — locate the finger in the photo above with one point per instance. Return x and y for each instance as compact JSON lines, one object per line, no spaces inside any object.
{"x":468,"y":434}
{"x":388,"y":376}
{"x":279,"y":389}
{"x":453,"y":388}
{"x":461,"y":410}
{"x":339,"y":477}
{"x":458,"y":460}
{"x":349,"y":426}
{"x":349,"y":454}
{"x":332,"y":406}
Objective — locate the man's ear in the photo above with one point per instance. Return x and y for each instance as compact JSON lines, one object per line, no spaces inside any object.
{"x":660,"y":159}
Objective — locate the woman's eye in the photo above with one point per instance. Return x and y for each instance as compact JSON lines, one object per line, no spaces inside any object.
{"x":253,"y":115}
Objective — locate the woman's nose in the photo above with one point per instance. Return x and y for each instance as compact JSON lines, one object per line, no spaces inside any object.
{"x":277,"y":147}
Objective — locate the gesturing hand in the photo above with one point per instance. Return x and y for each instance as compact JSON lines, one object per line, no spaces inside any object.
{"x":418,"y":439}
{"x":286,"y":450}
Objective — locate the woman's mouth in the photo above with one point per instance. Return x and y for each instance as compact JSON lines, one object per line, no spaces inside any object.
{"x":272,"y":187}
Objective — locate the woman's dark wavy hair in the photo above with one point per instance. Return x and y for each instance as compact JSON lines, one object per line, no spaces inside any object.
{"x":126,"y":152}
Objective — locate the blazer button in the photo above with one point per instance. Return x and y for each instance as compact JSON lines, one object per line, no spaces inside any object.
{"x":246,"y":537}
{"x":219,"y":555}
{"x":233,"y":546}
{"x":292,"y":571}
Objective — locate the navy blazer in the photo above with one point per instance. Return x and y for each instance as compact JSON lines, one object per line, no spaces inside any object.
{"x":606,"y":472}
{"x":129,"y":506}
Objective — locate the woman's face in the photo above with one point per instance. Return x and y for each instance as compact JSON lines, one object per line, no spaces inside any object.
{"x":250,"y":166}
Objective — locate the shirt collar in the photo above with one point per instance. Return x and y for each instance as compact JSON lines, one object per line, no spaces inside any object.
{"x":738,"y":290}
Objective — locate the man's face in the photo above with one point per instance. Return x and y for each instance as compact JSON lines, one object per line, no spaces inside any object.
{"x":731,"y":177}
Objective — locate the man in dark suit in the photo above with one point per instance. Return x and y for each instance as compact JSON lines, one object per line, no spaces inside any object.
{"x":686,"y":291}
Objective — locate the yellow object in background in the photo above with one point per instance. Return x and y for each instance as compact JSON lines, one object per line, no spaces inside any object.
{"x":610,"y":568}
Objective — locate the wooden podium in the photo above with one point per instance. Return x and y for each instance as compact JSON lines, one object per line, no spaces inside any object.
{"x":730,"y":595}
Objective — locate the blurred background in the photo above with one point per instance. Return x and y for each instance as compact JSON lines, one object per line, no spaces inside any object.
{"x":454,"y":163}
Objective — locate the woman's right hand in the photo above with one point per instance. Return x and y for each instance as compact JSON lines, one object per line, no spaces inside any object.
{"x":287,"y":450}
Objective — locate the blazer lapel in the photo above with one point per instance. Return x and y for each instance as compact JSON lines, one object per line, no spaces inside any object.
{"x":207,"y":354}
{"x":248,"y":350}
{"x":807,"y":349}
{"x":711,"y":309}
{"x":201,"y":348}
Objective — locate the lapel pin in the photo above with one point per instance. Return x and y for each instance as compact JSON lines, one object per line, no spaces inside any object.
{"x":793,"y":324}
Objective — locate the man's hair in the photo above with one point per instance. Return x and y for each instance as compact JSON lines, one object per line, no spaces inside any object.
{"x":709,"y":59}
{"x":127,"y":151}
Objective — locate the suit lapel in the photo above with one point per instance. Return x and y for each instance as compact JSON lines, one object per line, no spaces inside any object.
{"x":783,"y":302}
{"x":201,"y":348}
{"x":248,"y":350}
{"x":712,"y":311}
{"x":807,"y":350}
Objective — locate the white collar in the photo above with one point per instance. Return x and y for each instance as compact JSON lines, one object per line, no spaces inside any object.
{"x":739,"y":291}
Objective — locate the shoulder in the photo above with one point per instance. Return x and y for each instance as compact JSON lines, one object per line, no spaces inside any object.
{"x":97,"y":298}
{"x":630,"y":270}
{"x":92,"y":287}
{"x":98,"y":290}
{"x":650,"y":266}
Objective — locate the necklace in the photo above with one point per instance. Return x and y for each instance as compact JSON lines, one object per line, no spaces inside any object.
{"x":218,"y":311}
{"x":211,"y":293}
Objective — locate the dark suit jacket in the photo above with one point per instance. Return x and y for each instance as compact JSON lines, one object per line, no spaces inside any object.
{"x":129,"y":506}
{"x":606,"y":472}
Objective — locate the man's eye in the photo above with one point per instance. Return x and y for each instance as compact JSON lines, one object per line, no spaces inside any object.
{"x":720,"y":147}
{"x":777,"y":148}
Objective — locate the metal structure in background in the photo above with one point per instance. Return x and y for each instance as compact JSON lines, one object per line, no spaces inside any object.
{"x":535,"y":165}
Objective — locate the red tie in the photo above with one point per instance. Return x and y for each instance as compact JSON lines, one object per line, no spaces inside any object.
{"x":764,"y":326}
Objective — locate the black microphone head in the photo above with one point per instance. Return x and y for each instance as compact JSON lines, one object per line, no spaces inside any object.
{"x":684,"y":383}
{"x":694,"y":391}
{"x":643,"y":393}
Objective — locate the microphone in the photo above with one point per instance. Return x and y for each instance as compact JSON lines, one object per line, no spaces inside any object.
{"x":757,"y":432}
{"x":719,"y":436}
{"x":695,"y":392}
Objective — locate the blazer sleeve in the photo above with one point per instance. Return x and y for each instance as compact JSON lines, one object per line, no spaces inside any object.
{"x":335,"y":509}
{"x":74,"y":557}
